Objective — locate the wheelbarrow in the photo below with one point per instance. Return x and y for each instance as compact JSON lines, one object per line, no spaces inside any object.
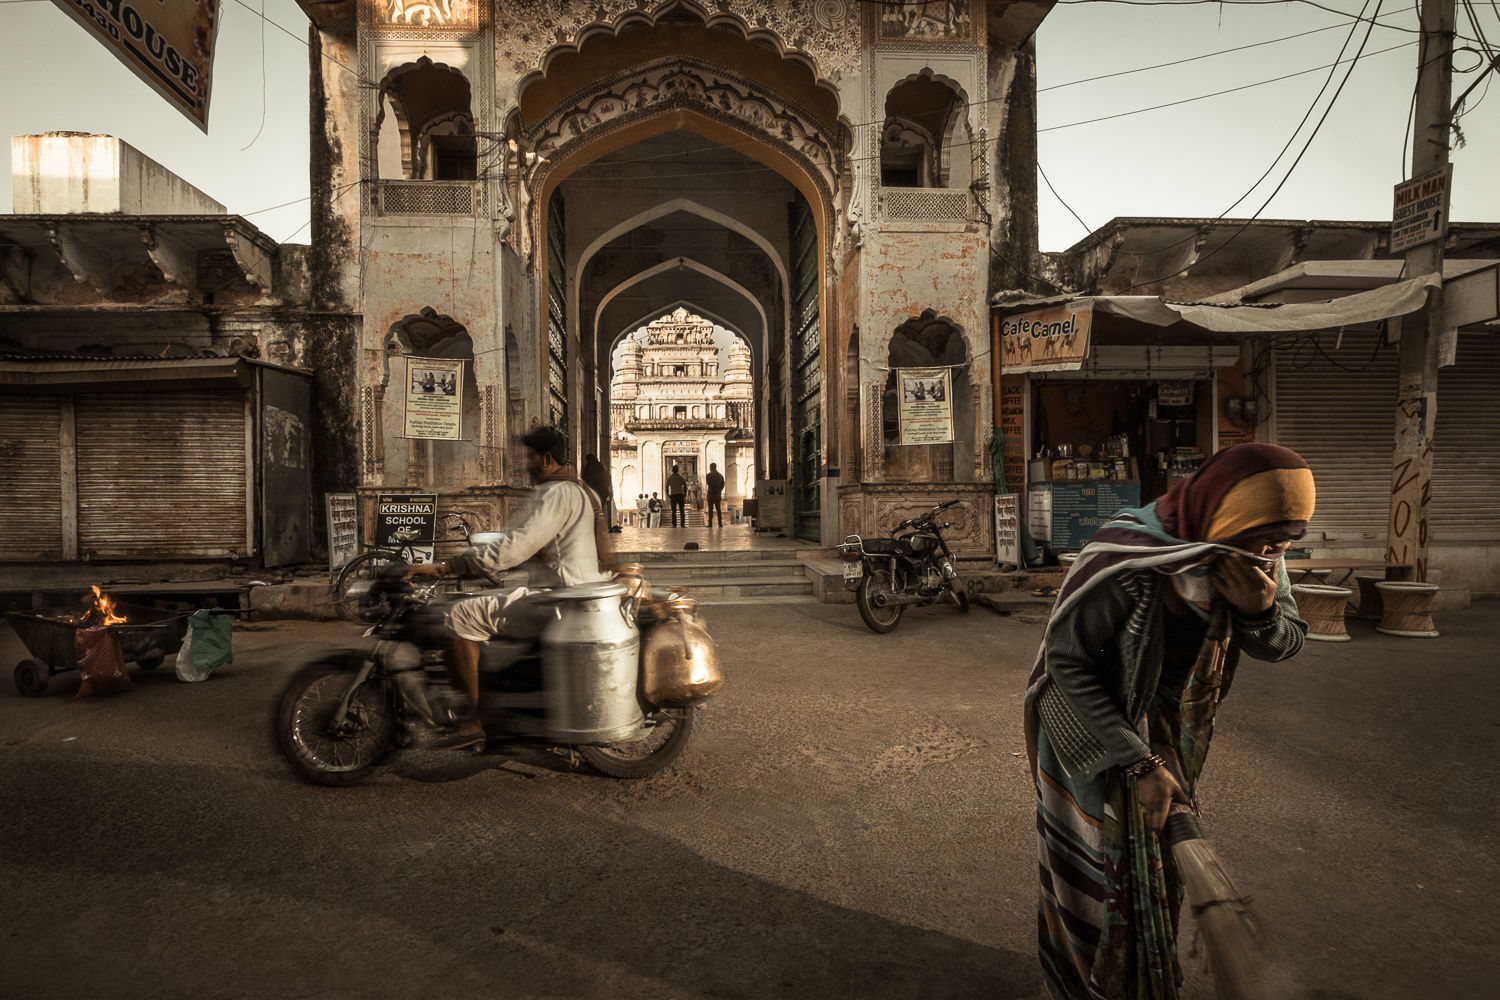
{"x":147,"y":637}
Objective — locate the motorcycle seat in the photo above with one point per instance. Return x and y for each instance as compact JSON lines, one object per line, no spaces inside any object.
{"x":886,"y":546}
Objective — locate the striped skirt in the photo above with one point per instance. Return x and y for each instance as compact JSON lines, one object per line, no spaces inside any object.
{"x":1108,"y":904}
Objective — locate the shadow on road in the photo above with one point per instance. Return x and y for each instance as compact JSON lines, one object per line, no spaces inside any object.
{"x":545,"y":901}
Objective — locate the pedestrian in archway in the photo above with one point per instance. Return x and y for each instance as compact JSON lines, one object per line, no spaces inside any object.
{"x":715,"y":494}
{"x":677,"y":496}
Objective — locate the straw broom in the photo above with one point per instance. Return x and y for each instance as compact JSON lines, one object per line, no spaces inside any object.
{"x":1231,"y":931}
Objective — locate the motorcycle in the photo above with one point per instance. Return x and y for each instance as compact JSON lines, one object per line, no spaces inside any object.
{"x":612,"y":671}
{"x":912,"y":567}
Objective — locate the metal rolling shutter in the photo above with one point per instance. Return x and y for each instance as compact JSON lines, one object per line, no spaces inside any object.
{"x":1336,"y":407}
{"x":1466,"y":444}
{"x":31,"y":522}
{"x":161,"y":475}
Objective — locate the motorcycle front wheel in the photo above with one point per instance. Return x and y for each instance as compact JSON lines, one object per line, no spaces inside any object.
{"x":878,"y":580}
{"x":340,"y":754}
{"x":668,"y":731}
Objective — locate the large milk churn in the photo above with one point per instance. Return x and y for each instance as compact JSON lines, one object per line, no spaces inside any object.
{"x":591,"y":666}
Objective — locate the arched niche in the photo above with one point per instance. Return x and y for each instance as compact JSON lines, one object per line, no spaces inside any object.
{"x":930,"y":341}
{"x":430,"y":463}
{"x":429,"y":105}
{"x":923,"y":128}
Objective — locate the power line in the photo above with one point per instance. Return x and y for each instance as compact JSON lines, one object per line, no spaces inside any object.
{"x":1354,"y":26}
{"x":1206,"y":55}
{"x":1217,"y":93}
{"x":1305,"y":147}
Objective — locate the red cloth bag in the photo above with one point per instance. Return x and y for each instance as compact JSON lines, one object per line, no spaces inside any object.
{"x":101,"y":661}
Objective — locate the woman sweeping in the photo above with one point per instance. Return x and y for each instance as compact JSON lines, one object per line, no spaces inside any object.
{"x":1141,"y":646}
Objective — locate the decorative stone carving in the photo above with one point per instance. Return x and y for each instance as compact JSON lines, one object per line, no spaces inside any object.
{"x":687,"y":82}
{"x":491,"y":450}
{"x":873,"y":510}
{"x":668,"y":85}
{"x":829,"y":37}
{"x":874,"y":431}
{"x":372,"y":441}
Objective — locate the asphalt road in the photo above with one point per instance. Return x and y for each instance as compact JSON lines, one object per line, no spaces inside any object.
{"x":853,"y":820}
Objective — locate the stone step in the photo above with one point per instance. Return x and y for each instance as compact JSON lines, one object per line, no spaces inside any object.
{"x":730,"y":593}
{"x":729,"y":576}
{"x":725,"y":571}
{"x":679,"y":556}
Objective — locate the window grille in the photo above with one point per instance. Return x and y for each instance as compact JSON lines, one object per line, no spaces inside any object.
{"x":924,"y":204}
{"x":427,"y":198}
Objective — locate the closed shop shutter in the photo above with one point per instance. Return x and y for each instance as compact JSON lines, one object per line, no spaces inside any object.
{"x":1336,"y":407}
{"x":1466,"y":447}
{"x":31,"y":521}
{"x":161,"y":475}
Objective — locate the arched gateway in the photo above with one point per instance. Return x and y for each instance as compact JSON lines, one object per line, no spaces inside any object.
{"x":633,"y":157}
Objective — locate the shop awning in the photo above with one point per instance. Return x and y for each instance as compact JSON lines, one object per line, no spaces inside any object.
{"x":47,"y":374}
{"x":1397,"y":299}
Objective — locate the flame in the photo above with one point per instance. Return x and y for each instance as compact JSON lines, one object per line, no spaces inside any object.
{"x":105,"y":605}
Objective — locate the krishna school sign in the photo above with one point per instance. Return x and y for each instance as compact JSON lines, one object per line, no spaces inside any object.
{"x":1046,"y":340}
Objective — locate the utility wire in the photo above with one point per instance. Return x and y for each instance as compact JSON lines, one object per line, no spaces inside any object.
{"x":1291,"y":169}
{"x":1217,"y":93}
{"x":1311,"y":107}
{"x":262,"y":127}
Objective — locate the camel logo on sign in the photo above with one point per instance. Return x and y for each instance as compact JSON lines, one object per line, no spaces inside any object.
{"x":1047,"y":340}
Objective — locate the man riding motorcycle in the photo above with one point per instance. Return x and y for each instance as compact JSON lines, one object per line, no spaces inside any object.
{"x":560,"y":533}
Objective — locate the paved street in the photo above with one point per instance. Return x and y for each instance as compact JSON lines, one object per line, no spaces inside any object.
{"x":854,"y":820}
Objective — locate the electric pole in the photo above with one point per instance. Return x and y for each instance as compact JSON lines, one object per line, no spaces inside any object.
{"x":1422,"y":334}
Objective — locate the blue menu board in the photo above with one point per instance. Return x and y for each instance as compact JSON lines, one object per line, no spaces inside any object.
{"x":1079,"y":509}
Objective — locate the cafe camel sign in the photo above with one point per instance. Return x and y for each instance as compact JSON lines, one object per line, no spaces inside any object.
{"x":1054,"y":339}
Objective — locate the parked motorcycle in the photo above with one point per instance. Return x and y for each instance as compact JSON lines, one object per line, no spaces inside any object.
{"x":613,"y":670}
{"x":913,"y":566}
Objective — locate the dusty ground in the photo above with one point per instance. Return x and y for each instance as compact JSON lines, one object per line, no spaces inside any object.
{"x":854,"y":820}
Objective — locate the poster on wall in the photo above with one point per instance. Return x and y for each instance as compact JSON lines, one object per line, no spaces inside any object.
{"x":434,"y":399}
{"x":926,"y":407}
{"x":1008,"y":529}
{"x":343,"y":529}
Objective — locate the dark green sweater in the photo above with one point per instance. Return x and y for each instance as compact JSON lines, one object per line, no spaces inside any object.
{"x":1104,"y":662}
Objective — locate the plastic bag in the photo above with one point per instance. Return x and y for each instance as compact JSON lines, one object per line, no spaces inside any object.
{"x":101,"y":661}
{"x":207,"y":644}
{"x":187,"y":670}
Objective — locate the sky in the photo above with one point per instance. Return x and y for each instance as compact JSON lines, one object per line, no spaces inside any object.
{"x":1194,"y":159}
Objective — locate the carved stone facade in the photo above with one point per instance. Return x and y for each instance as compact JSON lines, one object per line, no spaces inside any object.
{"x":672,"y":406}
{"x":549,"y":175}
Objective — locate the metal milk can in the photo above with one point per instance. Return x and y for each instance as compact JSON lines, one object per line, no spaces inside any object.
{"x":591,"y":666}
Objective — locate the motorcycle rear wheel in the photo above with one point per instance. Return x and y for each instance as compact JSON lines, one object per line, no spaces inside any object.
{"x":342,"y":756}
{"x":879,"y":581}
{"x":668,"y":731}
{"x":364,"y":567}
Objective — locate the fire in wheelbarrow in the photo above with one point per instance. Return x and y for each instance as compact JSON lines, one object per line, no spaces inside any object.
{"x":147,"y":636}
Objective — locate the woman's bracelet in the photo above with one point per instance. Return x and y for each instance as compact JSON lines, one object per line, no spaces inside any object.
{"x":1144,"y":766}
